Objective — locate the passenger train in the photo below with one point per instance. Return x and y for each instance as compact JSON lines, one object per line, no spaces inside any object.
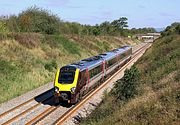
{"x":74,"y":81}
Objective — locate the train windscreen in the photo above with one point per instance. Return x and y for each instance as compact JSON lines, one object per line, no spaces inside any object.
{"x":66,"y":75}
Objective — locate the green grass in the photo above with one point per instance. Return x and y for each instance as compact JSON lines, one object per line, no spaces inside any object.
{"x":28,"y":61}
{"x":158,"y":98}
{"x":57,"y":41}
{"x":102,"y":44}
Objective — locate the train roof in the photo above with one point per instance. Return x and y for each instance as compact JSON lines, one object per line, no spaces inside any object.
{"x":111,"y":54}
{"x":96,"y":60}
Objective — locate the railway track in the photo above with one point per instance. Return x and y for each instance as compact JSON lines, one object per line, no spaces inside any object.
{"x":68,"y":111}
{"x":42,"y":115}
{"x":27,"y":110}
{"x":74,"y":108}
{"x":62,"y":119}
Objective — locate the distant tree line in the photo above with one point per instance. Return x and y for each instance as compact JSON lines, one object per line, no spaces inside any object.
{"x":38,"y":20}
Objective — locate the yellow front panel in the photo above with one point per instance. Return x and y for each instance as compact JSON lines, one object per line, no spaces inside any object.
{"x":66,"y":87}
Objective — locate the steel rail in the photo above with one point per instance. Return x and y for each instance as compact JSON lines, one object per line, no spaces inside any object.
{"x":66,"y":115}
{"x":26,"y":111}
{"x":22,"y":104}
{"x":42,"y":115}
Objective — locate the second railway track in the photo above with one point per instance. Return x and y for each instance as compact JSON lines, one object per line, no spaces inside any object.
{"x":28,"y":109}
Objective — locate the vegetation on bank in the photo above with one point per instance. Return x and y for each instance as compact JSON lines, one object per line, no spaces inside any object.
{"x":148,"y":94}
{"x":35,"y":42}
{"x":29,"y":60}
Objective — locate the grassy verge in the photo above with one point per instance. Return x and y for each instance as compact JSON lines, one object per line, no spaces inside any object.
{"x":29,"y":60}
{"x":157,"y":100}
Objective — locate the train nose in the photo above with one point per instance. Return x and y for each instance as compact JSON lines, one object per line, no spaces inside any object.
{"x":64,"y":96}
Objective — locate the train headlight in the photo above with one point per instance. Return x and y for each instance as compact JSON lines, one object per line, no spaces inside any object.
{"x":73,"y":89}
{"x":56,"y":89}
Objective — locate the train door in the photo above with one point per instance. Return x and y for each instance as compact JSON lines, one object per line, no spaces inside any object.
{"x":103,"y":70}
{"x":87,"y":81}
{"x":82,"y":82}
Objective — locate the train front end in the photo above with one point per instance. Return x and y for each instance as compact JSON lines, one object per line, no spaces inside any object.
{"x":65,"y":84}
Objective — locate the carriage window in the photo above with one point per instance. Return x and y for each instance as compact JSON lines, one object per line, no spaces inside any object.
{"x":123,"y":55}
{"x":112,"y":62}
{"x":93,"y":72}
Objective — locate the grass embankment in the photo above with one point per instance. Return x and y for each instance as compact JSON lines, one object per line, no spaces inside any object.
{"x":28,"y":61}
{"x":156,"y":99}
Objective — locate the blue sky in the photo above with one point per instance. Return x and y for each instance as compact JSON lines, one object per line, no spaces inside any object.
{"x":140,"y":13}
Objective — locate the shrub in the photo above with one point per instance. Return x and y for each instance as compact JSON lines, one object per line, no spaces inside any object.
{"x":35,"y":19}
{"x":126,"y":87}
{"x":3,"y":26}
{"x":178,"y":29}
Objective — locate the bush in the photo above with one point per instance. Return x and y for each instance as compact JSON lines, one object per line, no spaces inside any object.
{"x":3,"y":26}
{"x":178,"y":29}
{"x":173,"y":29}
{"x":126,"y":88}
{"x":35,"y":19}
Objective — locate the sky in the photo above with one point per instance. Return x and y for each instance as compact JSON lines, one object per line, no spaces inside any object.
{"x":140,"y":13}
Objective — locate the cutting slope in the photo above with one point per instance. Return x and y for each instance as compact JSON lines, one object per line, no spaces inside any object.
{"x":156,"y":99}
{"x":29,"y":60}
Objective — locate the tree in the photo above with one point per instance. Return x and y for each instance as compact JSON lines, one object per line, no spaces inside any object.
{"x":126,"y":87}
{"x":96,"y":30}
{"x":173,"y":29}
{"x":120,"y":24}
{"x":106,"y":28}
{"x":35,"y":19}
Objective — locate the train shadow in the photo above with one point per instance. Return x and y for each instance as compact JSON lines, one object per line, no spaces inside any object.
{"x":47,"y":98}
